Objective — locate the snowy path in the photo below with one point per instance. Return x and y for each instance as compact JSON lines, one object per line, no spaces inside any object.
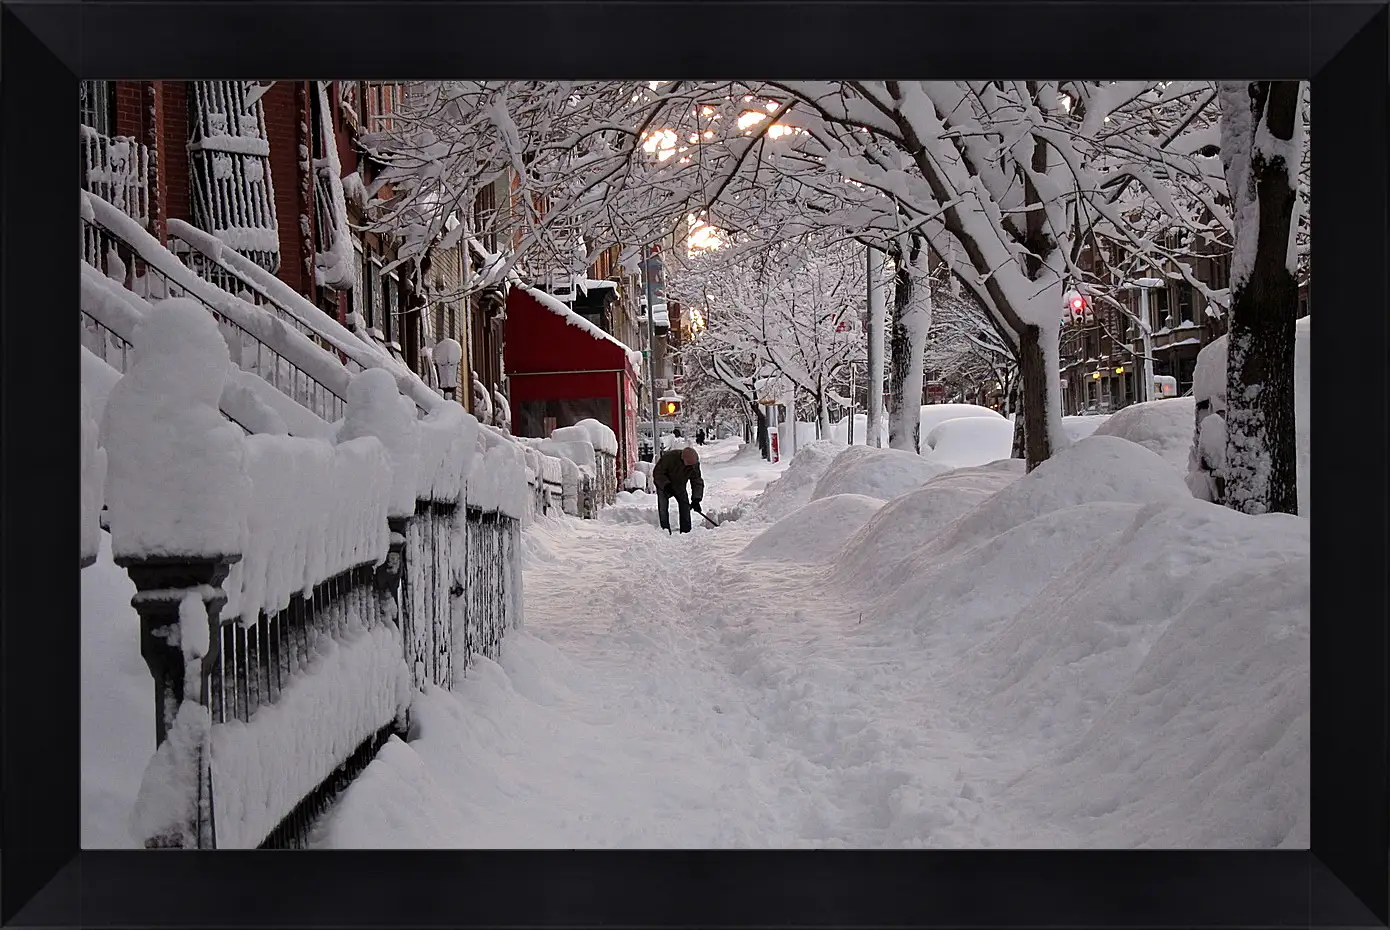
{"x":668,"y":693}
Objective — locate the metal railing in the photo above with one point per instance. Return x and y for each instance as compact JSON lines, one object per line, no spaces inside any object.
{"x":249,"y":351}
{"x":116,"y":169}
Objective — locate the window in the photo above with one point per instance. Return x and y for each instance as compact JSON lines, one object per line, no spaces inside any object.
{"x":1221,"y":271}
{"x":1159,"y":308}
{"x":97,"y":105}
{"x":391,"y":307}
{"x":383,"y":99}
{"x":374,"y":294}
{"x":1184,"y":302}
{"x":484,"y":214}
{"x":359,"y":279}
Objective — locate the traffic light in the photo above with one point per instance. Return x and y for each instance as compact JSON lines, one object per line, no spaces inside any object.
{"x":1079,"y":303}
{"x":669,"y":408}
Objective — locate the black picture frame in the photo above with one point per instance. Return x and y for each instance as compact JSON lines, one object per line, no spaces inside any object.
{"x":45,"y":880}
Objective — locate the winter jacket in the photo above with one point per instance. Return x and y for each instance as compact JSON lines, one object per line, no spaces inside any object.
{"x":670,"y":469}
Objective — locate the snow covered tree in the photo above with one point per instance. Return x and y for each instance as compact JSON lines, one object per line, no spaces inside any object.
{"x":1262,"y":150}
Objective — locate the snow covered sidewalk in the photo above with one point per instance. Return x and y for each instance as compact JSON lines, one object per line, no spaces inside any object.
{"x":679,"y":692}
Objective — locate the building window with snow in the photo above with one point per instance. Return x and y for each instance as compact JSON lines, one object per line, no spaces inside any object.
{"x":1184,"y":302}
{"x":97,"y":105}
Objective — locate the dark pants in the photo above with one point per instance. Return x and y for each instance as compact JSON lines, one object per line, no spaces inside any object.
{"x":665,"y":495}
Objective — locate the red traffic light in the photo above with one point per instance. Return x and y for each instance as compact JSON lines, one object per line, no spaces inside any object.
{"x":1079,"y":304}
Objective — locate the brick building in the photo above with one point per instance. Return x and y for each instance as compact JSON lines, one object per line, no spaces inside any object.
{"x":276,"y":171}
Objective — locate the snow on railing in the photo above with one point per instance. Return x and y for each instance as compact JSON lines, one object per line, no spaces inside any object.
{"x":260,"y":342}
{"x":287,"y":304}
{"x":312,"y":582}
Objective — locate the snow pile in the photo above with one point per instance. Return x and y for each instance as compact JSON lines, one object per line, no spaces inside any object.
{"x":895,"y":534}
{"x":931,"y":414}
{"x":377,"y":408}
{"x":448,"y":441}
{"x":118,"y":715}
{"x":794,"y":486}
{"x":176,"y":470}
{"x":963,"y":442}
{"x":355,"y":684}
{"x":1165,"y":427}
{"x":1168,"y":670}
{"x":840,"y":430}
{"x":314,"y":510}
{"x":1099,"y":469}
{"x":600,"y":436}
{"x":1079,"y":428}
{"x":93,"y":469}
{"x":881,"y":473}
{"x":816,"y":532}
{"x":97,"y":379}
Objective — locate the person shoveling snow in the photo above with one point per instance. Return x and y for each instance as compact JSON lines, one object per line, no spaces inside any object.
{"x":673,"y":470}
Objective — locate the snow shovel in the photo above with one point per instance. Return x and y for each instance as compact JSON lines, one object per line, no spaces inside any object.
{"x":708,"y":519}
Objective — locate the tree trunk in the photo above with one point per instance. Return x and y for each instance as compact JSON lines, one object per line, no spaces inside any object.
{"x":1260,"y":467}
{"x":906,"y":352}
{"x":1039,"y":381}
{"x":1017,"y":446}
{"x":762,"y":431}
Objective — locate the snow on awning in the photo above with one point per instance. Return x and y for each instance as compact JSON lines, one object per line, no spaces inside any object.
{"x":1185,"y":342}
{"x":574,"y":319}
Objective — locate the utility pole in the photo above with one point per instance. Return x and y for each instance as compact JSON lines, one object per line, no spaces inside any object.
{"x":850,"y":430}
{"x":1146,"y":391}
{"x":651,"y":352}
{"x":875,"y":388}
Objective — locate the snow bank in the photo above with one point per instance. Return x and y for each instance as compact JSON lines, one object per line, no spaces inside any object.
{"x":93,"y":470}
{"x":894,"y":535}
{"x":963,"y":442}
{"x":1202,"y":738}
{"x":353,"y":686}
{"x":118,"y":713}
{"x":932,"y":414}
{"x":314,"y":510}
{"x":881,"y":473}
{"x":1165,"y":427}
{"x":794,"y":486}
{"x":97,"y":379}
{"x":816,"y":532}
{"x":176,"y":482}
{"x":1079,"y":428}
{"x":1097,"y":469}
{"x":377,"y":408}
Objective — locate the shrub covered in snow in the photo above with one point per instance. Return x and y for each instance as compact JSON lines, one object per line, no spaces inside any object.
{"x":963,"y":442}
{"x":176,"y":470}
{"x":881,"y":473}
{"x":497,"y":480}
